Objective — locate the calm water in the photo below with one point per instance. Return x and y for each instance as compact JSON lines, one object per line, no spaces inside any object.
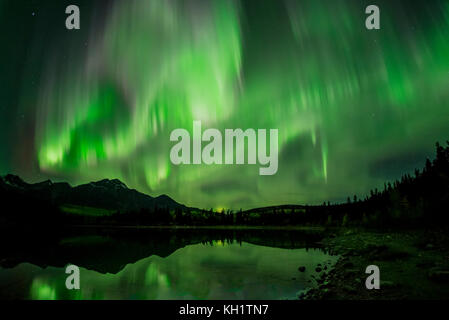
{"x":114,"y":268}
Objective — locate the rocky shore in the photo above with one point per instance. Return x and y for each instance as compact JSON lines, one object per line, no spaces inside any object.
{"x":413,"y":264}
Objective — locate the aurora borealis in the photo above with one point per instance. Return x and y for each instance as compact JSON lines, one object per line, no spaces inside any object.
{"x":193,"y":272}
{"x":354,"y":107}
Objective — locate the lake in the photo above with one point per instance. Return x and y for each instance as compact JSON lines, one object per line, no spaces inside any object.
{"x":164,"y":264}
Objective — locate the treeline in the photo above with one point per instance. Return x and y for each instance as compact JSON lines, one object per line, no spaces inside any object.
{"x":27,"y":208}
{"x":422,"y":198}
{"x":418,"y":199}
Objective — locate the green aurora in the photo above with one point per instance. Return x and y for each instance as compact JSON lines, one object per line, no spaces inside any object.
{"x":193,"y":272}
{"x":354,"y":107}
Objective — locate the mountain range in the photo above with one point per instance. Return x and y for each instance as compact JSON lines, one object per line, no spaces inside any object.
{"x":107,"y":194}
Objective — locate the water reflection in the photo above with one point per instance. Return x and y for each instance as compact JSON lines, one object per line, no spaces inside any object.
{"x":211,"y":269}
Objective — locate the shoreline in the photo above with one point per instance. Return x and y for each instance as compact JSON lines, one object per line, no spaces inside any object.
{"x":212,"y":227}
{"x":412,"y":265}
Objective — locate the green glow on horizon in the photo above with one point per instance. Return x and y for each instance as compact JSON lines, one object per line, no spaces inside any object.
{"x":42,"y":291}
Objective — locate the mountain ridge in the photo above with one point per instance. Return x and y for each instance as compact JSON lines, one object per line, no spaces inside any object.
{"x":110,"y":194}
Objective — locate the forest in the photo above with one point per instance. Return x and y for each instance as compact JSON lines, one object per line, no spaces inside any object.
{"x":420,"y":199}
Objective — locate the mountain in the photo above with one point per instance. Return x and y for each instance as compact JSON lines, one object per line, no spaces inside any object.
{"x":104,"y":194}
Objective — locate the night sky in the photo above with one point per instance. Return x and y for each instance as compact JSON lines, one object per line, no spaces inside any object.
{"x":354,"y":107}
